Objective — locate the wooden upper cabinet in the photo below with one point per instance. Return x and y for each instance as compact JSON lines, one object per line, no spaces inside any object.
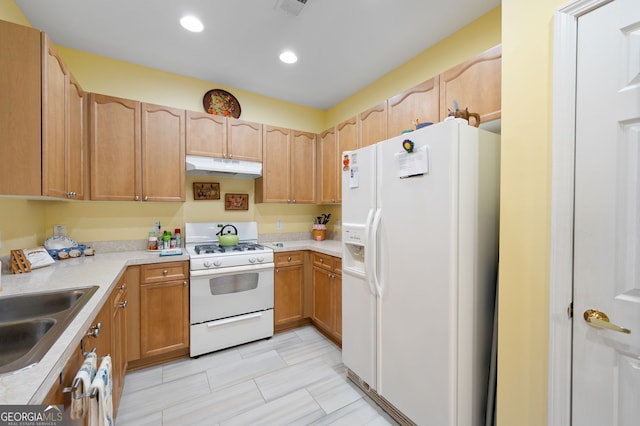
{"x":275,"y":183}
{"x":55,"y":80}
{"x":163,"y":153}
{"x":20,"y":103}
{"x":347,"y":140}
{"x":206,"y":135}
{"x":421,"y":102}
{"x":303,"y":167}
{"x":373,"y":125}
{"x":64,"y":140}
{"x":475,"y":84}
{"x":244,"y":140}
{"x":77,"y":142}
{"x":115,"y":148}
{"x":327,"y":167}
{"x":288,"y":167}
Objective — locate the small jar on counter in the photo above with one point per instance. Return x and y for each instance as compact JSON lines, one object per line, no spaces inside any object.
{"x":152,"y":241}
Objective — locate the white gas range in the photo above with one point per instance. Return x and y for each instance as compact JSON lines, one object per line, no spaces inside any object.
{"x":231,"y":286}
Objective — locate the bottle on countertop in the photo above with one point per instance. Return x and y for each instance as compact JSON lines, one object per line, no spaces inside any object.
{"x":152,"y":242}
{"x":166,"y":238}
{"x":178,"y":236}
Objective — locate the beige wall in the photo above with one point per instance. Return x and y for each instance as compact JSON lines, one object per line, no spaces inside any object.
{"x":527,"y":46}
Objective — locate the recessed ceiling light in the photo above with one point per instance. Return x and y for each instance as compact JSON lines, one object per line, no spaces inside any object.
{"x":191,"y":23}
{"x":288,"y":57}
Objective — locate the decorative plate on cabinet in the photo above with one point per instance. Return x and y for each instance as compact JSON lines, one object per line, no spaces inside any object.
{"x":221,"y":102}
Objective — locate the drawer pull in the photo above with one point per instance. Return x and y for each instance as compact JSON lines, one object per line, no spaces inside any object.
{"x":94,"y":330}
{"x":123,"y":286}
{"x":289,"y":258}
{"x":234,"y":319}
{"x":165,"y":272}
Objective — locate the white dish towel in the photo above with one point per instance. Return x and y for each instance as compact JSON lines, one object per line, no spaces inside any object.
{"x":102,"y":405}
{"x":84,"y":377}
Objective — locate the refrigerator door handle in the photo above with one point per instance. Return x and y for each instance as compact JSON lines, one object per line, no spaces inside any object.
{"x":373,"y":243}
{"x":368,"y":254}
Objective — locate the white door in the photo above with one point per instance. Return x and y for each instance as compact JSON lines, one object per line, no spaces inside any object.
{"x":606,"y":362}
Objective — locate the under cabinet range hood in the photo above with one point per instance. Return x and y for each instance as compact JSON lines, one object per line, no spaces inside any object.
{"x":208,"y":166}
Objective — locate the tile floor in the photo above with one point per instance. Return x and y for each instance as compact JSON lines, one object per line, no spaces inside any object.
{"x":296,"y":377}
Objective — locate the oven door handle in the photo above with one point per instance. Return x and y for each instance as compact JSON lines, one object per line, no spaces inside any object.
{"x":234,"y":319}
{"x":232,"y":270}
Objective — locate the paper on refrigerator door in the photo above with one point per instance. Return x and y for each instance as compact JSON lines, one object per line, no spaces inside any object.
{"x":413,"y":163}
{"x":350,"y":164}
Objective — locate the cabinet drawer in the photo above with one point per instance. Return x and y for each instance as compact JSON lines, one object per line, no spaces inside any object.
{"x":289,"y":258}
{"x":164,"y":272}
{"x":337,"y":265}
{"x":323,"y":261}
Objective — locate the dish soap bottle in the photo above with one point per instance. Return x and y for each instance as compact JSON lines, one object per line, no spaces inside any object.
{"x":166,"y":238}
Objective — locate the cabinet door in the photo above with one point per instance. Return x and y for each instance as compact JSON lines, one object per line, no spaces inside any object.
{"x":20,"y":116}
{"x":164,"y":317}
{"x":328,"y":164}
{"x":206,"y":135}
{"x":347,"y":139}
{"x":288,"y":295}
{"x":119,"y":341}
{"x":303,"y":168}
{"x":475,"y":84}
{"x":337,"y":326}
{"x":373,"y":125}
{"x":77,"y":146}
{"x":273,"y":186}
{"x":55,"y":81}
{"x":163,"y":152}
{"x":323,"y":300}
{"x":56,"y":396}
{"x":421,"y":102}
{"x":115,"y":148}
{"x":244,"y":140}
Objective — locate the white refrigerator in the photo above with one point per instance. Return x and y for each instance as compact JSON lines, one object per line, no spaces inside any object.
{"x":420,"y":259}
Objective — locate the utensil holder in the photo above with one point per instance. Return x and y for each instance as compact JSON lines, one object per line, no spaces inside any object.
{"x":319,"y":232}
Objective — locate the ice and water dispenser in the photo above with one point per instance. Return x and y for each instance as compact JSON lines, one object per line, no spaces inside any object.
{"x":354,"y":238}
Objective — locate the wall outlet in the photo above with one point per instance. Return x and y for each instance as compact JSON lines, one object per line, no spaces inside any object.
{"x":279,"y":225}
{"x":59,"y":230}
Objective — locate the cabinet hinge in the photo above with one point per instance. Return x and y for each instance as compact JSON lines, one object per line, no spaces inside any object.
{"x":570,"y":310}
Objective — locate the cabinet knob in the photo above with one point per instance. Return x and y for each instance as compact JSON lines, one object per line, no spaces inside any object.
{"x":289,"y":201}
{"x":124,"y":304}
{"x":277,"y":270}
{"x":294,"y":201}
{"x":165,"y":272}
{"x":230,"y":156}
{"x":321,"y":260}
{"x":289,"y":258}
{"x":123,"y":286}
{"x":146,"y":198}
{"x":184,"y":283}
{"x":136,"y":198}
{"x":94,"y":330}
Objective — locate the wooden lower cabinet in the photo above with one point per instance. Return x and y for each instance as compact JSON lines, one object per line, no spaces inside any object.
{"x":164,"y":310}
{"x":327,"y":295}
{"x":288,"y":308}
{"x":56,"y":395}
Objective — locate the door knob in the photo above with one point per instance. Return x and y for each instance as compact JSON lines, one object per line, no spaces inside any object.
{"x":599,"y":319}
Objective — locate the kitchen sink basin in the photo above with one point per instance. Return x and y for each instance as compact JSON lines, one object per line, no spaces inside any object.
{"x":31,"y":323}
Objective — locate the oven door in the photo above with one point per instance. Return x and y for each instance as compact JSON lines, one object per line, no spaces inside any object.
{"x":222,"y":293}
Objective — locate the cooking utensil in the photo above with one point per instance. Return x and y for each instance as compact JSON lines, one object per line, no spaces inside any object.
{"x":228,"y":239}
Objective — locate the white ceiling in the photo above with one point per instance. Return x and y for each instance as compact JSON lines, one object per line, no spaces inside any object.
{"x":342,"y":45}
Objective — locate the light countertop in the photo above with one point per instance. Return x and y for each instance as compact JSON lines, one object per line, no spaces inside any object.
{"x":104,"y":269}
{"x":330,"y":247}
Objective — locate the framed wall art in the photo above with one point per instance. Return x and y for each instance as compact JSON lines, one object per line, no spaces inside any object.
{"x":206,"y":191}
{"x":236,"y":201}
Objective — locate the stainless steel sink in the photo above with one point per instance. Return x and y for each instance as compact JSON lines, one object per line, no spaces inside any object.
{"x":31,"y":323}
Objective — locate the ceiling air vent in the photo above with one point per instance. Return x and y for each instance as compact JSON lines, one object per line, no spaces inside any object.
{"x":290,"y":7}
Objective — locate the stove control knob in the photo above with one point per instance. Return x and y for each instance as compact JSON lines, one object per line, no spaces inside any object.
{"x":217,"y":262}
{"x":260,"y":259}
{"x":252,"y":259}
{"x":207,"y":264}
